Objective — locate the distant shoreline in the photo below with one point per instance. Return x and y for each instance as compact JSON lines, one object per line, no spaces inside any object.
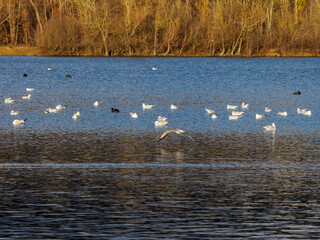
{"x":40,"y":52}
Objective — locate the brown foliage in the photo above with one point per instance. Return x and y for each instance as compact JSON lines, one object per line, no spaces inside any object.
{"x":61,"y":36}
{"x":162,"y":27}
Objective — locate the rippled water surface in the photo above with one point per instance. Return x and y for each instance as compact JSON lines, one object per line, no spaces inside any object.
{"x":104,"y":175}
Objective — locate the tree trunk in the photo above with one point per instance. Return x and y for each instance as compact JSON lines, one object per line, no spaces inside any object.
{"x":155,"y":42}
{"x":37,"y":15}
{"x":168,"y":49}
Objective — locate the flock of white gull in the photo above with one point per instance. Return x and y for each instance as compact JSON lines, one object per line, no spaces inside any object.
{"x":162,"y":121}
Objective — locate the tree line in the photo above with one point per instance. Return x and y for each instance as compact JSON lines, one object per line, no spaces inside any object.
{"x":161,"y":27}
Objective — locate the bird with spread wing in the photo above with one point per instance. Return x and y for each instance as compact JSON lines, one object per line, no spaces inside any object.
{"x":177,"y":131}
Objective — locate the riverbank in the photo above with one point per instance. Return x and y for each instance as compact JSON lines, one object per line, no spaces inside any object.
{"x":21,"y":51}
{"x":38,"y":51}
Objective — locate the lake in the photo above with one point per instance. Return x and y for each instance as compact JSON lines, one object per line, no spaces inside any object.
{"x":105,"y":175}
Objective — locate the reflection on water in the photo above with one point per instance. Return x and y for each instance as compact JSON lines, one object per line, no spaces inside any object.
{"x":104,"y":175}
{"x":130,"y":186}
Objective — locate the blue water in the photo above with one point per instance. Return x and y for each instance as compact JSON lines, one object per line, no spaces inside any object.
{"x":105,"y":176}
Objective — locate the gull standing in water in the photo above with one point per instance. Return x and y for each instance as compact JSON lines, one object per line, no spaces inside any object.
{"x":177,"y":131}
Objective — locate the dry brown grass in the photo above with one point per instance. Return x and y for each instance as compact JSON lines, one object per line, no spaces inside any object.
{"x":21,"y":51}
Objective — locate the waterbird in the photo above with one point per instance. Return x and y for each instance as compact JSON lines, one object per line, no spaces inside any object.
{"x":51,"y":110}
{"x":232,"y":106}
{"x":214,"y":116}
{"x":236,"y":113}
{"x":77,"y":113}
{"x":49,"y":68}
{"x":267,"y":109}
{"x":177,"y":131}
{"x":260,"y":116}
{"x":59,"y":107}
{"x":75,"y":116}
{"x":234,"y":117}
{"x":26,"y":97}
{"x":301,"y":111}
{"x":307,"y":113}
{"x":8,"y":100}
{"x":68,"y":76}
{"x":282,"y":113}
{"x":134,"y":115}
{"x":29,"y":89}
{"x":173,"y":107}
{"x":115,"y":110}
{"x":160,"y":123}
{"x":297,"y":93}
{"x":161,"y":118}
{"x":145,"y":106}
{"x":96,"y":104}
{"x":209,"y":111}
{"x":25,"y":75}
{"x":244,"y":105}
{"x":271,"y":127}
{"x":17,"y":121}
{"x":14,"y":112}
{"x":154,"y":68}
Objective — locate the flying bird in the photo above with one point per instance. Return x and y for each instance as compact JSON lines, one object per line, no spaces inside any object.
{"x":177,"y":131}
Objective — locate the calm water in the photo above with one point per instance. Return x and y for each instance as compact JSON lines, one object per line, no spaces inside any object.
{"x":104,"y":175}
